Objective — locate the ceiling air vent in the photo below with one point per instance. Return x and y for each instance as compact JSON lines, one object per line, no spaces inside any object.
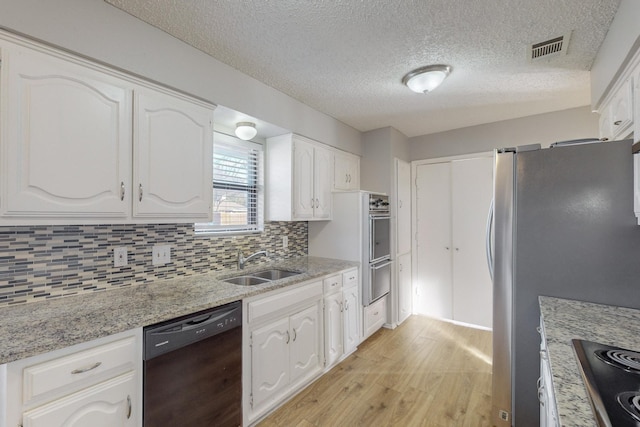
{"x":546,"y":49}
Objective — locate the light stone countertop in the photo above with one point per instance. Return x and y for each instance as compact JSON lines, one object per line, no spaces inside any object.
{"x":564,"y":320}
{"x":35,"y":328}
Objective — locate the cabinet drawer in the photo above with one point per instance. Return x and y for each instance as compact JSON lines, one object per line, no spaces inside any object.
{"x":332,"y":284}
{"x":350,"y":278}
{"x":374,"y":316}
{"x":116,"y":357}
{"x":281,"y":301}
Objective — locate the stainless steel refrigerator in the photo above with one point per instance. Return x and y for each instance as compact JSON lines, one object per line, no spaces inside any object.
{"x":563,"y":226}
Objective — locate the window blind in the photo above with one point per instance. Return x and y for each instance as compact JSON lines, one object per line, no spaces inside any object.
{"x":237,"y":186}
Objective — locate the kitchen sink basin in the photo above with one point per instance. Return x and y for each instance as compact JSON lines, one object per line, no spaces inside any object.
{"x":246,"y":280}
{"x":251,"y":279}
{"x":275,"y":274}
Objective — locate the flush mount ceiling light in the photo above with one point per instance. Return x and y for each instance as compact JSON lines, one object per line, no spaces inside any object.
{"x":426,"y":79}
{"x":246,"y":130}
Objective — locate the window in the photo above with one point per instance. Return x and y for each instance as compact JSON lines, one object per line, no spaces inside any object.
{"x":237,"y":186}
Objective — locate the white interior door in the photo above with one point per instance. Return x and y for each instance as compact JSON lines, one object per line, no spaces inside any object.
{"x":472,"y":184}
{"x":433,"y":284}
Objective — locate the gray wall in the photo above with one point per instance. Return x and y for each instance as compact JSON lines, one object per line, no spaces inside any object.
{"x":379,"y":149}
{"x":542,"y":128}
{"x":95,"y":29}
{"x":623,"y":37}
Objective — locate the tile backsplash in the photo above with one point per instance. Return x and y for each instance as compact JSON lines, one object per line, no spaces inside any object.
{"x":53,"y":261}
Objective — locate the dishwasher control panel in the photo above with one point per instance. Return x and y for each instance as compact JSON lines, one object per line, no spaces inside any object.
{"x":173,"y":334}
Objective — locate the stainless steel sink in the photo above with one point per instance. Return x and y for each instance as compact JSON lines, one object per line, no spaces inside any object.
{"x":251,"y":279}
{"x":246,"y":280}
{"x":275,"y":274}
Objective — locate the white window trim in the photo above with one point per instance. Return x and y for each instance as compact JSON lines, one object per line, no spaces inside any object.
{"x":203,"y":229}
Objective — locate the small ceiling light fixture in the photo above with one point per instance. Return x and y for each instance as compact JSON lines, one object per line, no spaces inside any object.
{"x":246,"y":130}
{"x":426,"y":79}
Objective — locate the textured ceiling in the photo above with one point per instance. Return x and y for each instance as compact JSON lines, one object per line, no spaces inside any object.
{"x":346,"y":57}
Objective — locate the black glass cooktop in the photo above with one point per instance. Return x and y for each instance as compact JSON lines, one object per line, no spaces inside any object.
{"x":612,"y":379}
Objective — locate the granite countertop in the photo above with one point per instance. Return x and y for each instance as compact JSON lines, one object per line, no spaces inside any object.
{"x":35,"y":328}
{"x":564,"y":320}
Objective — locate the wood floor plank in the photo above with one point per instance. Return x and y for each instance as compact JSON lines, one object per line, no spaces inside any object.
{"x":426,"y":372}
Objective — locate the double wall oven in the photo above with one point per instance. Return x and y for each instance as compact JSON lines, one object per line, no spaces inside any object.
{"x":377,"y":279}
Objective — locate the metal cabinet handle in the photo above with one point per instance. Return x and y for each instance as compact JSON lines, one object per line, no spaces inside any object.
{"x":294,"y":334}
{"x":346,"y":304}
{"x":288,"y":337}
{"x":129,"y":409}
{"x":617,"y":122}
{"x":140,"y":192}
{"x":400,"y":203}
{"x":83,"y":370}
{"x":122,"y":191}
{"x":346,"y":177}
{"x":341,"y":307}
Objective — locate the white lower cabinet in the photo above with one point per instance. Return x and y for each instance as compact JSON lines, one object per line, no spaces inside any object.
{"x":352,"y":311}
{"x":546,"y":396}
{"x":333,"y":309}
{"x":285,"y":346}
{"x":98,"y":383}
{"x":351,"y":329}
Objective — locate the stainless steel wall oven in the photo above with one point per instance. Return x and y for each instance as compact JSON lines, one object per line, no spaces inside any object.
{"x":378,"y":280}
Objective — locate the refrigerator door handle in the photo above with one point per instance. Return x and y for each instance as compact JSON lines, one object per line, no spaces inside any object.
{"x":488,"y":246}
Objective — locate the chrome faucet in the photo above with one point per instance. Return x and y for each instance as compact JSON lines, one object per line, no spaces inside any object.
{"x":242,"y":260}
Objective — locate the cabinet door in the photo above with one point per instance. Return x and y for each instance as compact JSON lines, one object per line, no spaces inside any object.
{"x":403,"y":206}
{"x":108,"y":404}
{"x":305,"y":344}
{"x":404,"y":287}
{"x":173,"y":145}
{"x":346,"y":172}
{"x":333,"y":345}
{"x":269,"y":360}
{"x":322,"y":183}
{"x":303,"y":186}
{"x":350,"y":318}
{"x":622,"y":111}
{"x":67,"y":139}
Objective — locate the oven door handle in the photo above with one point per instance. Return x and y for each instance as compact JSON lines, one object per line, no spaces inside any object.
{"x":379,"y":266}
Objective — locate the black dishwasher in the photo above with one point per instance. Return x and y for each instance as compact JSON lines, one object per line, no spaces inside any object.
{"x":193,"y":369}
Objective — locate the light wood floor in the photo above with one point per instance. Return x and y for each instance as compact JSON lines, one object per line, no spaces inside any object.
{"x":424,"y":373}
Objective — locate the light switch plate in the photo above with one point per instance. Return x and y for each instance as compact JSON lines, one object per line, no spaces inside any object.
{"x":161,"y":254}
{"x":120,"y":256}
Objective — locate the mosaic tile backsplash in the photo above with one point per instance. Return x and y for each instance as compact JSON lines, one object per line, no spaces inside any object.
{"x":53,"y":261}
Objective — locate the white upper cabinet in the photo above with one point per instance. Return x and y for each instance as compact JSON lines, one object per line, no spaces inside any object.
{"x":298,"y":179}
{"x":346,"y":171}
{"x":622,"y":110}
{"x":77,"y":148}
{"x":65,"y":141}
{"x":173,"y":143}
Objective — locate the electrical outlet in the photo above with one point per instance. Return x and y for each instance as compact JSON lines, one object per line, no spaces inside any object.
{"x":161,"y":254}
{"x":285,"y":242}
{"x":120,"y":256}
